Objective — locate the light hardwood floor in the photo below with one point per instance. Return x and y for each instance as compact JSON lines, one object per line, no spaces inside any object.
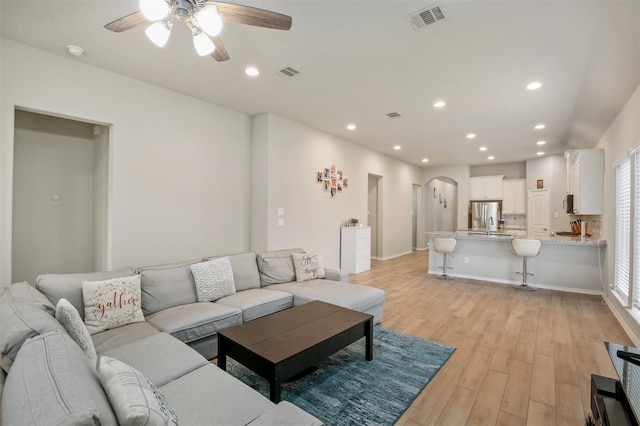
{"x":521,"y":358}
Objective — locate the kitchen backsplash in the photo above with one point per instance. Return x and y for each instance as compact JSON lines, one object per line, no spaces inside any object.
{"x":514,"y":221}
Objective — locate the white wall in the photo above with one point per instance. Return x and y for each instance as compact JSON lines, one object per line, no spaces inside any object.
{"x":441,"y":210}
{"x":623,"y":134}
{"x":312,"y":220}
{"x":179,"y":167}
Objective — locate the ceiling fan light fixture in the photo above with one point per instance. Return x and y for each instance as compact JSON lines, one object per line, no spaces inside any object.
{"x":203,"y":44}
{"x":159,"y":32}
{"x":209,"y":20}
{"x":154,"y":10}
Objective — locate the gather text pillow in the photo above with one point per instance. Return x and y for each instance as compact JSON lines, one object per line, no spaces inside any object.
{"x":133,"y":397}
{"x":214,"y":279}
{"x":308,"y":267}
{"x":70,"y":319}
{"x":111,"y":303}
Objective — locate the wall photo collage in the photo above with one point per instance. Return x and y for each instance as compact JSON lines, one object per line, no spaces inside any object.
{"x":332,"y":180}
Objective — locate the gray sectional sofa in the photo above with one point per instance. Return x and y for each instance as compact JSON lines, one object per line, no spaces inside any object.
{"x":171,"y":347}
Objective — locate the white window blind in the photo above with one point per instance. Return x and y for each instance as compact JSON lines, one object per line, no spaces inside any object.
{"x":623,"y":227}
{"x":635,"y":191}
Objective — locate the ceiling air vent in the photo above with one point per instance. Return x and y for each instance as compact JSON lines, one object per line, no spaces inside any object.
{"x":421,"y":19}
{"x":288,"y":72}
{"x":394,"y":115}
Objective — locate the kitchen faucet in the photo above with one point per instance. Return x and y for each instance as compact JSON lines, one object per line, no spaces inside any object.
{"x":489,"y":223}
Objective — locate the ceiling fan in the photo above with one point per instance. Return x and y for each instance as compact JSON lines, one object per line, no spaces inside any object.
{"x":203,"y":18}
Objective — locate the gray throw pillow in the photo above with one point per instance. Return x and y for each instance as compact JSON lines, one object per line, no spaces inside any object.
{"x":214,"y":279}
{"x":70,"y":319}
{"x":133,"y":397}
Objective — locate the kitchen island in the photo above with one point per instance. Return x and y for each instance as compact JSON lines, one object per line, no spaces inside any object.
{"x":565,"y":263}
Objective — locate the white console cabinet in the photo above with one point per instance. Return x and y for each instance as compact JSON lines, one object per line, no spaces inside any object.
{"x":355,"y":249}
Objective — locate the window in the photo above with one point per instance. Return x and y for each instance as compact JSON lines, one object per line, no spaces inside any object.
{"x":627,"y":235}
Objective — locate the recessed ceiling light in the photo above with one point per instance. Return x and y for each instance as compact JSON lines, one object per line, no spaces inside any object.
{"x":397,"y":147}
{"x":439,"y":104}
{"x":541,"y":142}
{"x":75,"y":50}
{"x":471,"y":135}
{"x":540,"y":126}
{"x":539,"y":153}
{"x":425,"y":160}
{"x":483,"y":148}
{"x":491,"y":157}
{"x":252,"y":71}
{"x":351,"y":126}
{"x":534,"y":85}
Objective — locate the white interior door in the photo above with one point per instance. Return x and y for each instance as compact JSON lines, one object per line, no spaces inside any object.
{"x":538,"y":218}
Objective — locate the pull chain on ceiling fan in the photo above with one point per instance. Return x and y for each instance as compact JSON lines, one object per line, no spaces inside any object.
{"x":203,"y":18}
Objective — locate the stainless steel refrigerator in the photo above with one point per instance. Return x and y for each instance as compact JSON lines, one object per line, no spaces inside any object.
{"x":481,"y":212}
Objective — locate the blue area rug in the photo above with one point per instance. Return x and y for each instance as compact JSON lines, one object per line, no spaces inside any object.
{"x":346,"y":389}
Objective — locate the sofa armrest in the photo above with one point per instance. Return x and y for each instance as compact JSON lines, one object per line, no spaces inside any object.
{"x":285,"y":413}
{"x":336,"y":275}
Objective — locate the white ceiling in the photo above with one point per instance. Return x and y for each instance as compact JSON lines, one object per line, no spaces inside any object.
{"x":360,"y":60}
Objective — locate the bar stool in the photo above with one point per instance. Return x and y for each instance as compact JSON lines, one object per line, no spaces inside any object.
{"x":445,"y":246}
{"x":525,"y":248}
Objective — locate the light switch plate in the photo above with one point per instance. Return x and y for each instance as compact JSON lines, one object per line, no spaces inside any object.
{"x":280,"y":211}
{"x":280,"y":222}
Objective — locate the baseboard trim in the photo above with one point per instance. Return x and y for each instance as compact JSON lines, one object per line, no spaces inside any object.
{"x":621,"y":320}
{"x":394,"y":256}
{"x":515,"y":282}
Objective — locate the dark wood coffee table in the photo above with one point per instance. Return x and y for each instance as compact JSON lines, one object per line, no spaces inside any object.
{"x":282,"y":345}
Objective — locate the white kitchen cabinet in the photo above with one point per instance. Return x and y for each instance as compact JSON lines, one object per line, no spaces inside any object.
{"x":586,"y":174}
{"x":355,"y":249}
{"x":485,"y":188}
{"x":514,"y":196}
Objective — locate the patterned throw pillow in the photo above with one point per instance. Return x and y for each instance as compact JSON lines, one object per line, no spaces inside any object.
{"x":308,"y":267}
{"x":111,"y":303}
{"x":214,"y":279}
{"x":133,"y":397}
{"x":70,"y":319}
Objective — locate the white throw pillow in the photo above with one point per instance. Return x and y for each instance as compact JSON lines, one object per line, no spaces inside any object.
{"x":111,"y":303}
{"x":133,"y":397}
{"x":308,"y":267}
{"x":68,"y":316}
{"x":214,"y":279}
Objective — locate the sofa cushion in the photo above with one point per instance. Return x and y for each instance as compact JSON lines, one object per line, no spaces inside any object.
{"x":21,"y":321}
{"x":122,"y":335}
{"x":214,"y":279}
{"x":69,"y":286}
{"x":195,"y":321}
{"x":258,"y":302}
{"x":276,"y":266}
{"x":357,"y":297}
{"x":166,"y":286}
{"x":308,"y":267}
{"x":68,"y":316}
{"x":160,"y":357}
{"x":53,"y":383}
{"x":111,"y":303}
{"x":245,"y":270}
{"x":286,"y":414}
{"x":133,"y":397}
{"x":228,"y":402}
{"x":26,"y":293}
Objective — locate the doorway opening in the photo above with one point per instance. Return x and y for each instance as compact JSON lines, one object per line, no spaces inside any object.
{"x":60,"y":196}
{"x":374,"y":214}
{"x":441,"y":204}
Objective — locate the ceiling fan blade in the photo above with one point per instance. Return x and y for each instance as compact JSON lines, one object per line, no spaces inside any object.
{"x":128,"y":22}
{"x":220,"y":54}
{"x":248,"y":15}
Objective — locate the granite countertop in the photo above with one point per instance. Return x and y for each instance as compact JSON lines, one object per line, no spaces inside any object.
{"x":510,"y":235}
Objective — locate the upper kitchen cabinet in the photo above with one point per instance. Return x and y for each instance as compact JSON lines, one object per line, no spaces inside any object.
{"x":514,"y":196}
{"x":585,"y":180}
{"x":485,"y":188}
